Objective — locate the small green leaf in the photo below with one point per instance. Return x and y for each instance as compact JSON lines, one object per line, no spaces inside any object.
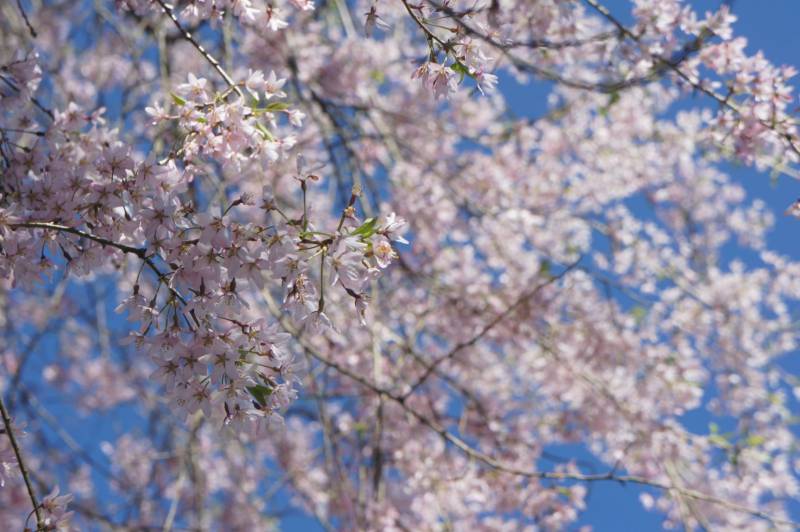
{"x":378,"y":76}
{"x":260,"y":393}
{"x":755,"y":440}
{"x":177,"y":99}
{"x":544,"y":268}
{"x":462,"y":69}
{"x":612,"y":99}
{"x":276,"y":106}
{"x":367,"y":229}
{"x":719,"y":440}
{"x":639,"y":313}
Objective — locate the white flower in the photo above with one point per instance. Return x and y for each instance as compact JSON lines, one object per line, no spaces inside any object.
{"x":383,"y":251}
{"x":273,"y":86}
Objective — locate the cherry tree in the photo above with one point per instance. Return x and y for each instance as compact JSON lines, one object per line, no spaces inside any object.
{"x":262,"y":257}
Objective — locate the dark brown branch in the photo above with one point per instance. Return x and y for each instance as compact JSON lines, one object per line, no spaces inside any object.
{"x":25,"y":18}
{"x":139,"y":252}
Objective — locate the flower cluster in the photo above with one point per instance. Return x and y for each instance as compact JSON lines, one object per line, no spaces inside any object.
{"x":258,"y":13}
{"x":80,"y":196}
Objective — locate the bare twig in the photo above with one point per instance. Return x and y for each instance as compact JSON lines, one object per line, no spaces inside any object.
{"x":190,"y":38}
{"x":21,"y":464}
{"x":25,"y":18}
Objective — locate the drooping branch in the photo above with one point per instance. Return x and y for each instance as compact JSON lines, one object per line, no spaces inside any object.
{"x":662,"y":64}
{"x":139,"y":252}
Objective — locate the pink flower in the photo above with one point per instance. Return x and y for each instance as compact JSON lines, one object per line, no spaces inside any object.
{"x":195,"y":89}
{"x":273,"y":85}
{"x":372,"y":20}
{"x":382,"y":250}
{"x":54,"y":507}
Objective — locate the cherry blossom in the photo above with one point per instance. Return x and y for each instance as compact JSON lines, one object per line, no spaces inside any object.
{"x":265,"y":253}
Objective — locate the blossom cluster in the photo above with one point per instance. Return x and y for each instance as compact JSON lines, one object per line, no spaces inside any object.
{"x":78,"y":195}
{"x":258,"y":13}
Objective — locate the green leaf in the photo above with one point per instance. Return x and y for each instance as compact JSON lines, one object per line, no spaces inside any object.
{"x":719,"y":440}
{"x":276,"y":106}
{"x":367,"y":229}
{"x":639,"y":313}
{"x":755,"y":440}
{"x":612,"y":99}
{"x":462,"y":69}
{"x":260,"y":393}
{"x":378,"y":76}
{"x":544,"y":268}
{"x":177,"y":99}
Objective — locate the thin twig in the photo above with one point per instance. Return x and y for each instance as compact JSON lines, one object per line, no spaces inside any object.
{"x":33,"y":99}
{"x":188,"y":36}
{"x":472,"y":341}
{"x":139,"y":252}
{"x":25,"y":18}
{"x":21,"y":464}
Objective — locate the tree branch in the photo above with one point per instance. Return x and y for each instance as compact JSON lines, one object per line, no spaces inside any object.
{"x":472,"y":341}
{"x":25,"y":18}
{"x":21,"y":464}
{"x":189,"y":37}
